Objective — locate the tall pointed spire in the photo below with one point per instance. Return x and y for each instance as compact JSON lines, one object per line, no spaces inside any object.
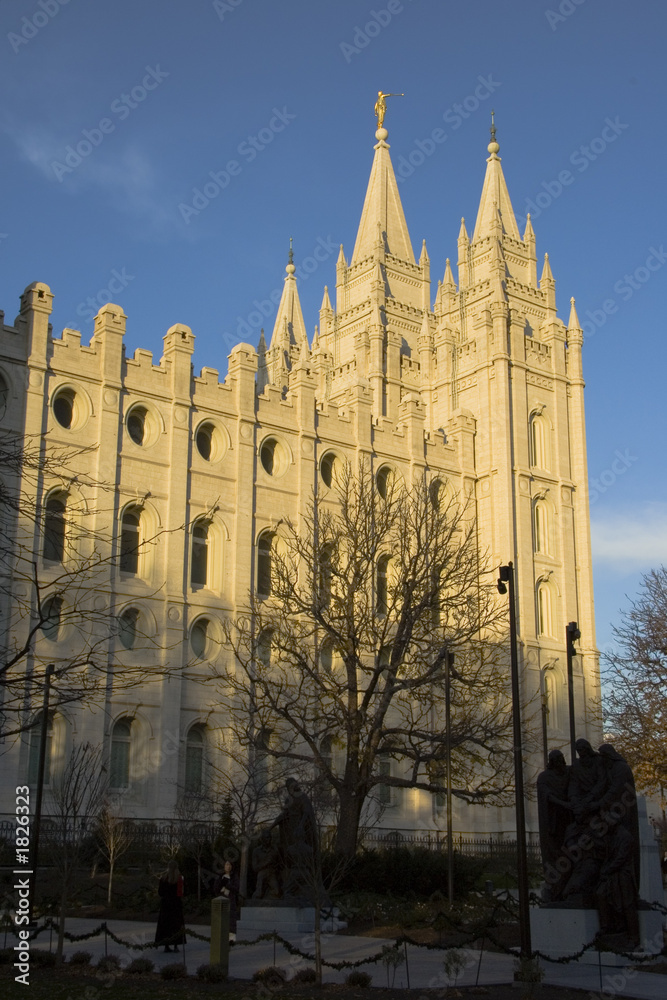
{"x":495,"y":201}
{"x":289,"y":321}
{"x":383,"y":208}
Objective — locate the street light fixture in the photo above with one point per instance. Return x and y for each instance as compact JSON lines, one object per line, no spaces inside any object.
{"x":505,"y":583}
{"x":572,"y":633}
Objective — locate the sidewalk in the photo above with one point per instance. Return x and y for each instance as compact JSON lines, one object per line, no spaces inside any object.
{"x":424,"y":966}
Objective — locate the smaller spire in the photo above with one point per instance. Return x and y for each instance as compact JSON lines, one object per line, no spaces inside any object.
{"x":326,"y":301}
{"x":261,"y":346}
{"x":448,"y":280}
{"x":423,"y":257}
{"x":547,"y":276}
{"x":529,"y":232}
{"x":573,"y":322}
{"x":463,"y":232}
{"x":341,"y":262}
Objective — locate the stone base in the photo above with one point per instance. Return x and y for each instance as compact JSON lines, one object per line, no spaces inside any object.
{"x":285,"y":920}
{"x":558,"y":932}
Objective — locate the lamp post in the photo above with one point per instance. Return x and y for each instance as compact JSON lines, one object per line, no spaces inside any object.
{"x":572,"y":633}
{"x":505,"y":583}
{"x":44,"y":728}
{"x":449,"y":663}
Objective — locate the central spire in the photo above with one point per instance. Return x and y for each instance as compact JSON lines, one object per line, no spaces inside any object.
{"x":382,"y":210}
{"x":495,"y":204}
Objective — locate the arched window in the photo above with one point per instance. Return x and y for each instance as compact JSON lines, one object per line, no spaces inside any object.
{"x":325,"y":573}
{"x":264,"y":561}
{"x":4,"y":396}
{"x":199,"y":560}
{"x":382,"y":585}
{"x":54,"y":528}
{"x":119,"y":769}
{"x":34,"y":748}
{"x":194,"y":760}
{"x":130,"y":540}
{"x":539,"y":442}
{"x":551,"y":697}
{"x":544,"y":610}
{"x":542,"y":528}
{"x":51,"y":623}
{"x":264,"y":641}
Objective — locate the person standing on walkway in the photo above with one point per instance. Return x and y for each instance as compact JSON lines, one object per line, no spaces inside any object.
{"x":170,"y":930}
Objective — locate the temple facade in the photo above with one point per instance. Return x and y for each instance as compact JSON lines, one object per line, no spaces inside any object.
{"x":175,"y":483}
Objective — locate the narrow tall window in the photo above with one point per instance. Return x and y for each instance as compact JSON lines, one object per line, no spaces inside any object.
{"x":119,"y":771}
{"x":382,"y":590}
{"x":539,"y":442}
{"x":544,"y":610}
{"x":542,"y":528}
{"x":130,"y":538}
{"x":264,"y":559}
{"x":194,"y":760}
{"x":264,"y":641}
{"x":33,"y":754}
{"x":199,"y":563}
{"x":54,"y":529}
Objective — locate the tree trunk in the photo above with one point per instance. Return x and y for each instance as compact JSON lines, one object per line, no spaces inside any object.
{"x":348,"y":823}
{"x":111,"y":865}
{"x":61,"y":928}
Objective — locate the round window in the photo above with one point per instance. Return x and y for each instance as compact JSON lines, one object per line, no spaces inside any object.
{"x":141,"y":426}
{"x":210,"y":442}
{"x":274,"y":458}
{"x":128,"y":628}
{"x":330,"y":468}
{"x":199,"y":638}
{"x":63,"y":408}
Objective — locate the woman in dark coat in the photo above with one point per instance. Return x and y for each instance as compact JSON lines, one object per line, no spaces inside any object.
{"x":229,"y":886}
{"x":170,"y":928}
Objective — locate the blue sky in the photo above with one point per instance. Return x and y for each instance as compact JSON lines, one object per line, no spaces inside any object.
{"x":275,"y":99}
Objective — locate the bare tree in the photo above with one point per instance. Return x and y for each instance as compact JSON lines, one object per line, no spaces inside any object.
{"x":340,"y":667}
{"x":57,"y":562}
{"x":636,"y":689}
{"x":77,"y":795}
{"x":114,"y":837}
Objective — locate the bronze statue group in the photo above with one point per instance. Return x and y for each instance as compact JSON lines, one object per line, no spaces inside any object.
{"x":589,"y":839}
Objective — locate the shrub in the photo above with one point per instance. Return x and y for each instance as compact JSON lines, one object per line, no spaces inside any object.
{"x":305,"y":976}
{"x":174,"y":971}
{"x":40,"y":957}
{"x":359,"y":979}
{"x":211,"y":973}
{"x":140,"y":966}
{"x":272,"y":976}
{"x":80,"y":958}
{"x":109,"y":963}
{"x":396,"y":868}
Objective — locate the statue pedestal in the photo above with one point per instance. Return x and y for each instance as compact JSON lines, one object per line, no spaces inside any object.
{"x":263,"y":919}
{"x":559,"y":931}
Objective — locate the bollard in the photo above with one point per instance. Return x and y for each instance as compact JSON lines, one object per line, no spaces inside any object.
{"x":219,"y":953}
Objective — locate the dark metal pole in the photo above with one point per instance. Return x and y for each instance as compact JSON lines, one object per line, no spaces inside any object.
{"x":449,"y":659}
{"x":507,"y":576}
{"x":571,"y":633}
{"x":34,"y":854}
{"x":545,"y":716}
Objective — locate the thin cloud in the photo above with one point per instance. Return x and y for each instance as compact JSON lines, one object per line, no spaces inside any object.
{"x":632,"y":541}
{"x":128,"y":178}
